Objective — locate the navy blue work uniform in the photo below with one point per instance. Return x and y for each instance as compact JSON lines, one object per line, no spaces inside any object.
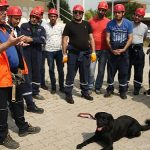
{"x":78,"y":55}
{"x":120,"y":63}
{"x":17,"y":106}
{"x":137,"y":59}
{"x":25,"y":88}
{"x":136,"y":54}
{"x":33,"y":53}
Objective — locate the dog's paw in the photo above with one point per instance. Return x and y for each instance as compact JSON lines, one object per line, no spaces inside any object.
{"x":79,"y":146}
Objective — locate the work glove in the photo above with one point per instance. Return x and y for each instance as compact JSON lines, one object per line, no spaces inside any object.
{"x":93,"y":57}
{"x":65,"y":58}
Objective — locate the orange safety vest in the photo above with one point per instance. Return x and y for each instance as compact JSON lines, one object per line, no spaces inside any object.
{"x":5,"y":73}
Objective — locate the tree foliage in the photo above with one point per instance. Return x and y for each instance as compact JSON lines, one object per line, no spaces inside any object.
{"x":64,"y":6}
{"x":130,"y":9}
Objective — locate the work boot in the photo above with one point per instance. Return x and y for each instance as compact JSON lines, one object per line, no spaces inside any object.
{"x":44,"y":87}
{"x":38,"y":97}
{"x":53,"y":91}
{"x":108,"y":93}
{"x":98,"y":92}
{"x":30,"y":130}
{"x":10,"y":143}
{"x":35,"y":109}
{"x":69,"y":99}
{"x":123,"y":95}
{"x":87,"y":96}
{"x":136,"y":91}
{"x":147,"y":92}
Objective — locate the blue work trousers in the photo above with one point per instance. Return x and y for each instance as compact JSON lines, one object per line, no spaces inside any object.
{"x":51,"y":58}
{"x":118,"y":63}
{"x":77,"y":61}
{"x":102,"y":57}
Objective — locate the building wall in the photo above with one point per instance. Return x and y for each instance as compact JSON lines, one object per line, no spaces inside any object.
{"x":26,"y":7}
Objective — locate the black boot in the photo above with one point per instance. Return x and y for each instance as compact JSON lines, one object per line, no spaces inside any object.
{"x":30,"y":130}
{"x":44,"y":87}
{"x":69,"y":99}
{"x":108,"y":93}
{"x":10,"y":143}
{"x":123,"y":95}
{"x":35,"y":109}
{"x":87,"y":96}
{"x":147,"y":92}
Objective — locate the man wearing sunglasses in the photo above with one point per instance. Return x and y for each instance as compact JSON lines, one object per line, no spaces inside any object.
{"x":79,"y":35}
{"x":136,"y":53}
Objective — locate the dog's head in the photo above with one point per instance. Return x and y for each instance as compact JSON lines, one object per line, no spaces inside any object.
{"x":104,"y":121}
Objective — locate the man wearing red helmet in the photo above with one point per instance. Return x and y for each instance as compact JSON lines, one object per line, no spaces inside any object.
{"x":119,"y":37}
{"x":42,"y":23}
{"x":10,"y":63}
{"x":53,"y":50}
{"x":79,"y":35}
{"x":33,"y":53}
{"x":14,"y":14}
{"x":136,"y":53}
{"x":98,"y":24}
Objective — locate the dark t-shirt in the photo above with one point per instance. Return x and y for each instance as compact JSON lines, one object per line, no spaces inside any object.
{"x":78,"y":34}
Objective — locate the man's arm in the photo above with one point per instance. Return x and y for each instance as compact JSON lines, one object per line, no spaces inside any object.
{"x":64,"y":44}
{"x":10,"y":42}
{"x":108,"y":41}
{"x":92,"y":43}
{"x":130,"y":38}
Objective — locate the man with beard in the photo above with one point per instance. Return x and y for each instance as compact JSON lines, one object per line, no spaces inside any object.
{"x":119,"y":37}
{"x":24,"y":90}
{"x":136,"y":53}
{"x":98,"y":24}
{"x":79,"y":35}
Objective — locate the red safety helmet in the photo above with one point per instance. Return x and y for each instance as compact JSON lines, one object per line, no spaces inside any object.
{"x":140,"y":11}
{"x":4,"y":3}
{"x":78,"y":8}
{"x":14,"y":11}
{"x":103,"y":5}
{"x":53,"y":11}
{"x":40,"y":8}
{"x":35,"y":12}
{"x":119,"y":7}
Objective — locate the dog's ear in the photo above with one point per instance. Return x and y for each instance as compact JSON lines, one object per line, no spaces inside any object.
{"x":96,"y":115}
{"x":111,"y":121}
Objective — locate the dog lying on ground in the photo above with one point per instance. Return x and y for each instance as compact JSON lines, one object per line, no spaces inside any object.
{"x":110,"y":130}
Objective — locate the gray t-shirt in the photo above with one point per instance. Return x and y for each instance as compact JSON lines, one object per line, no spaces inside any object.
{"x":139,"y":32}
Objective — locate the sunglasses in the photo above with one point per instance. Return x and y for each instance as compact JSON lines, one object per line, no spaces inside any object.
{"x":78,"y":12}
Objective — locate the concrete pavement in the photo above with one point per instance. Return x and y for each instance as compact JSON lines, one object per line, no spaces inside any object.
{"x":62,"y":129}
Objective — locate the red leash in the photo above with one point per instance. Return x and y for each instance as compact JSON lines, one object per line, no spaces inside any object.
{"x":86,"y":115}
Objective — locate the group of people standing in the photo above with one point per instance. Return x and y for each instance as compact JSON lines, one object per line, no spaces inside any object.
{"x":81,"y":44}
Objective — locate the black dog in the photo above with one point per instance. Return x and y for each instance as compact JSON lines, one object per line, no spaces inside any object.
{"x":110,"y":130}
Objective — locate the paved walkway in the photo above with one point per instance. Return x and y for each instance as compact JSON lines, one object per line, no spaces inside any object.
{"x":62,"y":129}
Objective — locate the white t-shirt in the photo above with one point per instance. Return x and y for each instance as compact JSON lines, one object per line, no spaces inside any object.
{"x":139,"y":33}
{"x":53,"y":36}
